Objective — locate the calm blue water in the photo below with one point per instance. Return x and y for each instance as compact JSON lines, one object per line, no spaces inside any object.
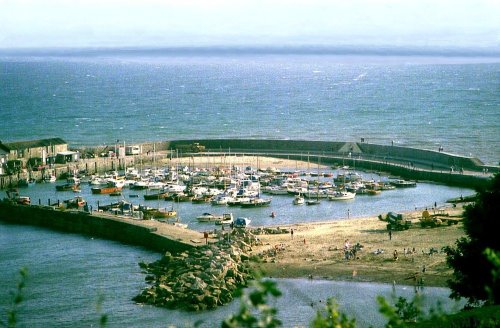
{"x":415,"y":101}
{"x":97,"y":99}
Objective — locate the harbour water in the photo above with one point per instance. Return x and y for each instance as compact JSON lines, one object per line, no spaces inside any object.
{"x":400,"y":199}
{"x":68,"y":273}
{"x":99,"y":98}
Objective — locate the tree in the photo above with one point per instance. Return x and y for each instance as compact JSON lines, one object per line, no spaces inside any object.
{"x":473,"y":276}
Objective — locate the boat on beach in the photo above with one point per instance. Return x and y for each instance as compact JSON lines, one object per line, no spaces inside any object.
{"x":227,"y":218}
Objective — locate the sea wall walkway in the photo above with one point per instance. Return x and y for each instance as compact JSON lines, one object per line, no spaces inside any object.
{"x":154,"y":235}
{"x":408,"y":163}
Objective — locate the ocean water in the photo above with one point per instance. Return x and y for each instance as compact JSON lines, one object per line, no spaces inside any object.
{"x":99,"y":98}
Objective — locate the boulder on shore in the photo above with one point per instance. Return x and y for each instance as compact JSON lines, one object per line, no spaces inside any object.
{"x":198,"y":279}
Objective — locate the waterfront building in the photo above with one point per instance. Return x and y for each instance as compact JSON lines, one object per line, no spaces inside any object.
{"x":41,"y":150}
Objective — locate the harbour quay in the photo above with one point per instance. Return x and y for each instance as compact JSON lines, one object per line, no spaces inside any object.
{"x":409,"y":163}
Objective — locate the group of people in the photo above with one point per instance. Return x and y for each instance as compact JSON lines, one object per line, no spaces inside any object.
{"x":406,"y":251}
{"x":351,"y":252}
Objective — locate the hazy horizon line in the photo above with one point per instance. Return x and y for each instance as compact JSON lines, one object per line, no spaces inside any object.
{"x":358,"y":50}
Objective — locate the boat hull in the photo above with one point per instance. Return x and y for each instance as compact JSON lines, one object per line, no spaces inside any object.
{"x":105,"y":190}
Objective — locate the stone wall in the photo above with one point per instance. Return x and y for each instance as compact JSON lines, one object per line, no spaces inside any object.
{"x":95,"y":225}
{"x":365,"y":150}
{"x":91,"y":166}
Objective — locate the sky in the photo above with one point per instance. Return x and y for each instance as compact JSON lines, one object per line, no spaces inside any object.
{"x":169,"y":23}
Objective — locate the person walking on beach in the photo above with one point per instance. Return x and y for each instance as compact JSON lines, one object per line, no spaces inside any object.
{"x":390,"y":234}
{"x":291,"y":233}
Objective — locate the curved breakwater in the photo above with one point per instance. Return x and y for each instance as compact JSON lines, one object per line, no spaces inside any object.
{"x":408,"y":163}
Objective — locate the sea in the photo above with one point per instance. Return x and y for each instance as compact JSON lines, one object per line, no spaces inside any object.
{"x":99,"y":97}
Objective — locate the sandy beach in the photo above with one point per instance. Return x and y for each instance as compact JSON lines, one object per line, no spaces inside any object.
{"x":257,"y":162}
{"x":317,"y":249}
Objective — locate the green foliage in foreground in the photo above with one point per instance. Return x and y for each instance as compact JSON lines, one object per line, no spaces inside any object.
{"x":332,"y":318}
{"x":476,"y":274}
{"x":256,"y":301}
{"x":402,"y":312}
{"x":256,"y":313}
{"x":17,"y":298}
{"x":483,"y":317}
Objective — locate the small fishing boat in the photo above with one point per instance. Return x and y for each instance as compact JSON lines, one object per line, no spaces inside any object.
{"x":162,"y":213}
{"x":209,"y":217}
{"x":298,"y":200}
{"x":201,"y":199}
{"x":227,"y":218}
{"x":342,"y":195}
{"x":156,"y":196}
{"x":181,"y":197}
{"x":67,"y":187}
{"x":313,"y":202}
{"x":237,"y":201}
{"x":23,"y":200}
{"x":50,"y":179}
{"x":373,"y":192}
{"x":256,"y":202}
{"x":76,"y":202}
{"x":403,"y":183}
{"x":221,"y":200}
{"x":26,"y":182}
{"x":105,"y":190}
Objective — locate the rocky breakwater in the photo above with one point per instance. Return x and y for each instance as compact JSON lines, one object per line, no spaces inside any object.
{"x":202,"y":278}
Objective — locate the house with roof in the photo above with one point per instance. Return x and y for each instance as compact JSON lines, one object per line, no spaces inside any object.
{"x":41,"y":152}
{"x":4,"y":156}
